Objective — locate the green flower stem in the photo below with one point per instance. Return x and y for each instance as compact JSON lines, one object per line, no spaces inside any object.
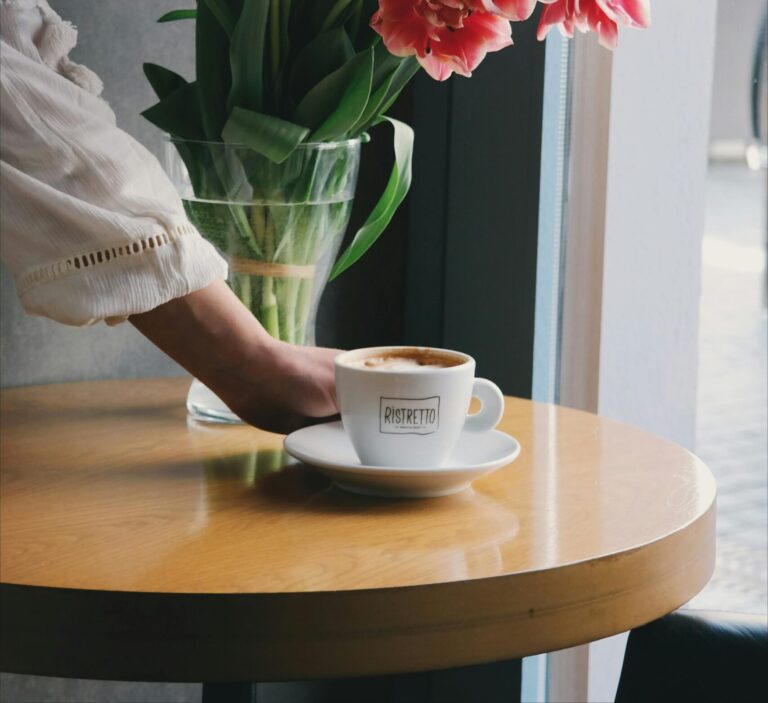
{"x":314,"y":242}
{"x":319,"y":235}
{"x":243,"y":287}
{"x":266,"y":309}
{"x":298,"y":324}
{"x":289,"y":312}
{"x":286,"y":310}
{"x":258,"y":228}
{"x":300,"y":235}
{"x":302,"y":307}
{"x":257,"y":289}
{"x":269,"y":309}
{"x":244,"y":230}
{"x":293,"y":233}
{"x":295,"y":255}
{"x":282,"y":254}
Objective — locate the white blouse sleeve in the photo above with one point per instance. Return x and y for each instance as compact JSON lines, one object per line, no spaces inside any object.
{"x":92,"y":228}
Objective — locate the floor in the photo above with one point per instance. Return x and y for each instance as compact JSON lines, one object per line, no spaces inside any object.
{"x":732,"y":433}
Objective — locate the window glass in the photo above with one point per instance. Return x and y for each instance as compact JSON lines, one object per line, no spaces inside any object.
{"x":732,"y":401}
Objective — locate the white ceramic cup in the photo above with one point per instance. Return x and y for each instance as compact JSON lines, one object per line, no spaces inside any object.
{"x":411,"y":417}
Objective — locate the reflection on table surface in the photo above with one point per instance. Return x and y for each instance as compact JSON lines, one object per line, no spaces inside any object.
{"x":111,"y":487}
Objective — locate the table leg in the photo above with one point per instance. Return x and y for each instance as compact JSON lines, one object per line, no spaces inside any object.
{"x":498,"y":682}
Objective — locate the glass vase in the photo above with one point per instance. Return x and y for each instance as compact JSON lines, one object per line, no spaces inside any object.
{"x":279,"y":225}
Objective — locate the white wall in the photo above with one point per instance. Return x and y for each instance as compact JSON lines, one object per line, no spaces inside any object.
{"x":654,"y":221}
{"x":634,"y":250}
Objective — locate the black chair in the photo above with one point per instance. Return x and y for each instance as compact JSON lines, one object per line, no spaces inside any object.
{"x":701,"y":656}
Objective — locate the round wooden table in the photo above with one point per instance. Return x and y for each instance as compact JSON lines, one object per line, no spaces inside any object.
{"x":139,"y":545}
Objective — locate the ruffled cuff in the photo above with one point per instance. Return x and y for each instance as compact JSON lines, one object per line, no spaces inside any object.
{"x":114,"y":282}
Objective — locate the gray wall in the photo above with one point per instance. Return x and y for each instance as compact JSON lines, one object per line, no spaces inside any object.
{"x":116,"y":37}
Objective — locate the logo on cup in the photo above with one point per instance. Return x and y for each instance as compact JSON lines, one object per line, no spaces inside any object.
{"x":409,"y":415}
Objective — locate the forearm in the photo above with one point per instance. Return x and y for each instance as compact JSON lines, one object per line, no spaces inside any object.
{"x":213,"y":336}
{"x":270,"y":384}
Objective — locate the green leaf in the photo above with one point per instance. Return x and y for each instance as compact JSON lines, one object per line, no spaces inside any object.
{"x":334,"y":13}
{"x":178,"y":113}
{"x":394,"y":193}
{"x":163,"y":80}
{"x":372,"y":106}
{"x":335,"y":104}
{"x":407,"y":69}
{"x":179,"y":116}
{"x":274,"y":138}
{"x":246,"y":56}
{"x":223,"y":13}
{"x":174,"y":15}
{"x":387,"y":77}
{"x":384,"y":63}
{"x":212,"y":69}
{"x":381,"y":100}
{"x":318,"y":59}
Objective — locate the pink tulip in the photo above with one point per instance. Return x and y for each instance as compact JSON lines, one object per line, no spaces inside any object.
{"x":513,"y":10}
{"x":601,"y":16}
{"x":444,"y":35}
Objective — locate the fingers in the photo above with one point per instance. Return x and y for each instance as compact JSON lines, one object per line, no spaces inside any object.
{"x":283,"y":423}
{"x":309,"y":421}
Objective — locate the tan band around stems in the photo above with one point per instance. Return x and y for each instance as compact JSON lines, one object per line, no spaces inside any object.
{"x":268,"y":268}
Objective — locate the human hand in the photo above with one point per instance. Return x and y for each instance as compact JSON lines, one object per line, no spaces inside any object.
{"x":275,"y":386}
{"x":293,"y":386}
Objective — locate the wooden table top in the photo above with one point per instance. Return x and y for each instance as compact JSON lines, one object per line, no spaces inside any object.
{"x":138,"y":544}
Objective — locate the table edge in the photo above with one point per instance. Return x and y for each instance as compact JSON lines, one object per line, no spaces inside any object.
{"x":141,"y":636}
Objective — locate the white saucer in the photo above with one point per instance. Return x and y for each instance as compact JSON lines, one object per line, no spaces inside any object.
{"x":328,"y":449}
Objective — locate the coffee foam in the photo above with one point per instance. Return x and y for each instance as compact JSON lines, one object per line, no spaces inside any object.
{"x":382,"y":363}
{"x":408,"y":360}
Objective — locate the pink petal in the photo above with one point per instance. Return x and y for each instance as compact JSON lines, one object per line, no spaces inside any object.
{"x":633,"y":13}
{"x":403,"y":36}
{"x":481,"y":33}
{"x":554,"y":14}
{"x":435,"y":67}
{"x":601,"y":23}
{"x":513,"y":10}
{"x":600,"y":16}
{"x":396,"y":10}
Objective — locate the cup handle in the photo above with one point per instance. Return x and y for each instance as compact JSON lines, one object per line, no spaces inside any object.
{"x":491,"y":406}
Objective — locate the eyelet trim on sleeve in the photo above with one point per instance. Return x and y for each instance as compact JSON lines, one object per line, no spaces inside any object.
{"x":79,"y":262}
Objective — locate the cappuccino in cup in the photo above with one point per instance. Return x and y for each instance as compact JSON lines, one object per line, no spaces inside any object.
{"x":409,"y":358}
{"x":407,"y":406}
